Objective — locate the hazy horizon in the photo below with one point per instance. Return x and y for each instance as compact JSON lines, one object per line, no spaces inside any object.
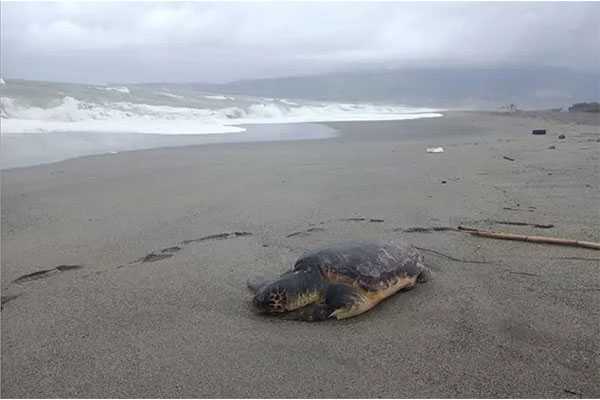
{"x":371,"y":69}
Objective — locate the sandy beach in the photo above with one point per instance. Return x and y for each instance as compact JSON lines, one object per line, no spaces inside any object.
{"x":141,"y":260}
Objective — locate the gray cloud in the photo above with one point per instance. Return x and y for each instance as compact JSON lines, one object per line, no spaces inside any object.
{"x":214,"y":42}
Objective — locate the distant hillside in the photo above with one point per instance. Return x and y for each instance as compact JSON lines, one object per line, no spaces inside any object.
{"x":585,"y":107}
{"x":449,"y":87}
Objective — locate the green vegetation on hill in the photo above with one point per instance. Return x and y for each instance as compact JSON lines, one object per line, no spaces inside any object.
{"x":585,"y":107}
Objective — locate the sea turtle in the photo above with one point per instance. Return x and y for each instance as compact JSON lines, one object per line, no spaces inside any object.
{"x":341,"y":281}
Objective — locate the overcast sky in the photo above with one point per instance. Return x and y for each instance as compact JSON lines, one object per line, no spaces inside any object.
{"x":217,"y":42}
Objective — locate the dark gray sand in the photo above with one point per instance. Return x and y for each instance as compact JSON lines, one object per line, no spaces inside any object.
{"x":124,"y":275}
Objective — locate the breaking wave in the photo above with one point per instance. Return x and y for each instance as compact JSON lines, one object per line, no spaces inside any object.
{"x":121,"y":109}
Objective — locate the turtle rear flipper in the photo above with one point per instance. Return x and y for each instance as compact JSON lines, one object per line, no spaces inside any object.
{"x":346,"y":301}
{"x":424,"y":275}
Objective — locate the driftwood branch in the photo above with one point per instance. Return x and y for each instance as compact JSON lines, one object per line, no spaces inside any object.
{"x":533,"y":239}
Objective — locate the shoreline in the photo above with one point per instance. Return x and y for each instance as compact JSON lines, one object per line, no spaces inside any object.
{"x":154,"y":302}
{"x":292,"y":131}
{"x":49,"y":147}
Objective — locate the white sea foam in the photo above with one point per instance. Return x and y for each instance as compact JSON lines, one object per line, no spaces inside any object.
{"x":73,"y":115}
{"x":167,"y":94}
{"x":68,"y":114}
{"x":218,"y":97}
{"x":120,"y":89}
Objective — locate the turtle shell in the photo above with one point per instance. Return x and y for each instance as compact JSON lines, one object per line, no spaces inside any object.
{"x":369,"y":265}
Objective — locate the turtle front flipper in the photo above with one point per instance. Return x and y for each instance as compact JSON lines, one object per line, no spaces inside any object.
{"x":310,"y":313}
{"x":341,"y":301}
{"x":346,"y":301}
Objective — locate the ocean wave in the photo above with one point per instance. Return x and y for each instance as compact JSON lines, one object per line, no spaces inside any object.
{"x":69,"y":114}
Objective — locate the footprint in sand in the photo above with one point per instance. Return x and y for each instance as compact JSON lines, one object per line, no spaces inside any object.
{"x":362,"y":219}
{"x":218,"y":236}
{"x":168,"y":252}
{"x":164,"y":253}
{"x":152,"y":257}
{"x":306,"y":232}
{"x":6,"y":299}
{"x":316,"y":229}
{"x":46,"y":273}
{"x":173,"y":249}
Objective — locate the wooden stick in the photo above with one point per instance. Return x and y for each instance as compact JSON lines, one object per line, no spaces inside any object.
{"x":533,"y":239}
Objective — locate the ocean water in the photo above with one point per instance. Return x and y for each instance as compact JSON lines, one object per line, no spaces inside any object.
{"x":22,"y":150}
{"x":47,"y":121}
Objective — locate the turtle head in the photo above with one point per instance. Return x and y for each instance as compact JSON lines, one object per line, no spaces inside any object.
{"x":291,"y":291}
{"x":271,"y":298}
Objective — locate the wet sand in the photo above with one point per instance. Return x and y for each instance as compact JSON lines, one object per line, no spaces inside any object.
{"x":124,"y":275}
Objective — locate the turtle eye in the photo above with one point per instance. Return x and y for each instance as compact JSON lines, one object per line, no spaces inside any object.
{"x":277,"y":300}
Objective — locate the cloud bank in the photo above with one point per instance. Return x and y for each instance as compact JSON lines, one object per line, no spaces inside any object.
{"x":218,"y":42}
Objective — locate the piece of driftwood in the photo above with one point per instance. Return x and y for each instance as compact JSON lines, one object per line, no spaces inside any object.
{"x":533,"y":239}
{"x":519,"y":223}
